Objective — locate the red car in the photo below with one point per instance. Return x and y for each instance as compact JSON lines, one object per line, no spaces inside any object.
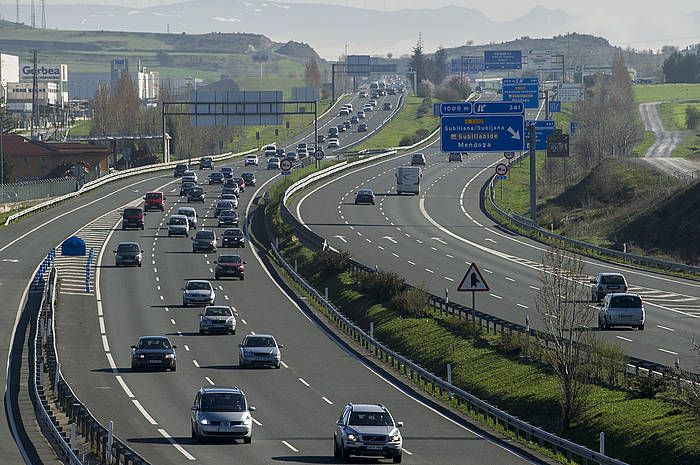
{"x":154,"y":201}
{"x":240,"y":182}
{"x":230,"y":265}
{"x":132,"y":217}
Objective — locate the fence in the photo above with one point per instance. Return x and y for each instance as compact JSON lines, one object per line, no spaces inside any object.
{"x":39,"y":189}
{"x":521,"y":429}
{"x":44,"y":362}
{"x":581,"y":246}
{"x":635,"y":367}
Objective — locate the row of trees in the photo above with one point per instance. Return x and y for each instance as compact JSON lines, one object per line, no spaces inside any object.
{"x":432,"y":76}
{"x":682,"y":67}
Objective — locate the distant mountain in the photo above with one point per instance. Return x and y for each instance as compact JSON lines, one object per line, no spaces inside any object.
{"x":327,"y":28}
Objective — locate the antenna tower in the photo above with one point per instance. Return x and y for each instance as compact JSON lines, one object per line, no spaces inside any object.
{"x":17,"y":18}
{"x":33,"y":14}
{"x":43,"y":14}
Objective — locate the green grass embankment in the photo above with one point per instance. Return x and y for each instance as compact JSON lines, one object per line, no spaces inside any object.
{"x":655,"y":430}
{"x":666,"y":92}
{"x":406,"y":122}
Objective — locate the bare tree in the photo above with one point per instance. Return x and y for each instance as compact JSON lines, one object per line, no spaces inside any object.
{"x":563,"y":308}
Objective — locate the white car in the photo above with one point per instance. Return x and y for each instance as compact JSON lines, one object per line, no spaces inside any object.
{"x":251,"y":160}
{"x":361,"y":114}
{"x":217,"y":318}
{"x":189,"y":176}
{"x":367,"y":108}
{"x":191,"y":215}
{"x":178,"y":225}
{"x":333,"y":143}
{"x":198,"y":292}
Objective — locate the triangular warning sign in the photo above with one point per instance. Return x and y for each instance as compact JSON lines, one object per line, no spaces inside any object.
{"x":473,"y":281}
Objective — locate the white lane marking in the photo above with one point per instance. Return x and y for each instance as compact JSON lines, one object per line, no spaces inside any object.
{"x":390,"y":239}
{"x":126,"y":389}
{"x":490,"y":240}
{"x":143,"y":411}
{"x":294,"y":449}
{"x":303,"y":381}
{"x":448,"y":278}
{"x":522,"y":306}
{"x":429,"y":270}
{"x":177,"y":446}
{"x":172,"y":321}
{"x":419,"y":241}
{"x":449,"y":256}
{"x":187,"y":348}
{"x":534,"y":287}
{"x":408,"y":452}
{"x":162,"y":298}
{"x":495,"y":296}
{"x":157,"y":279}
{"x":437,"y":239}
{"x":508,"y":278}
{"x":196,"y":363}
{"x":256,"y":422}
{"x":102,"y":325}
{"x":488,"y":271}
{"x":380,"y":247}
{"x":395,"y":254}
{"x":284,"y":365}
{"x":105,"y":344}
{"x":412,"y":263}
{"x":155,"y":270}
{"x":669,"y":351}
{"x":112,"y":365}
{"x":327,"y":400}
{"x":624,"y":338}
{"x":209,"y":380}
{"x":665,"y":327}
{"x":368,"y":240}
{"x":244,"y":322}
{"x":433,"y":248}
{"x":226,"y":297}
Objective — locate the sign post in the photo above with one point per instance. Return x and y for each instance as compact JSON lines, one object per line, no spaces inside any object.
{"x":473,"y":282}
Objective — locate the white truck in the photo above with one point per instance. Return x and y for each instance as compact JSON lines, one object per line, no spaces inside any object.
{"x":408,"y":179}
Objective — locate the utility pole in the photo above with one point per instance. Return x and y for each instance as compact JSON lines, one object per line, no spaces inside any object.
{"x":533,"y":174}
{"x":17,"y":11}
{"x":35,"y":96}
{"x":33,"y":16}
{"x":43,"y":14}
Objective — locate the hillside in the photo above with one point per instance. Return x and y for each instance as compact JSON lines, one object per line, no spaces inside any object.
{"x":620,"y":202}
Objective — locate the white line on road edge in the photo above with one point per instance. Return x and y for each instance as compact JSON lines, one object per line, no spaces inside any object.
{"x":624,"y":338}
{"x":294,"y":449}
{"x":187,"y":348}
{"x":495,"y":296}
{"x":303,"y":381}
{"x":143,"y":411}
{"x":126,"y":389}
{"x":256,"y":421}
{"x":668,"y":351}
{"x":195,"y":363}
{"x":522,"y":306}
{"x":284,"y":364}
{"x":209,"y":380}
{"x":177,"y":446}
{"x":327,"y":400}
{"x":665,"y":327}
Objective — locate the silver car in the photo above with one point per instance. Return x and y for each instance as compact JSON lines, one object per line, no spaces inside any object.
{"x":221,"y":412}
{"x":198,"y":292}
{"x":624,"y":309}
{"x":178,"y":225}
{"x":367,"y":430}
{"x":217,"y":318}
{"x":222,"y":205}
{"x":259,"y":350}
{"x":605,"y":283}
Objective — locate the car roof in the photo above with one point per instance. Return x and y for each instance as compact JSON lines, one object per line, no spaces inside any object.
{"x":610,"y":273}
{"x":198,"y":281}
{"x":220,"y":389}
{"x":618,"y":294}
{"x":154,"y":337}
{"x":368,"y":407}
{"x":188,"y":209}
{"x":260,"y":335}
{"x":178,"y":216}
{"x":230,"y":255}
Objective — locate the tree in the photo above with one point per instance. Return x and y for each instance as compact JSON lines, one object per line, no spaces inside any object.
{"x":418,"y":62}
{"x":439,"y":66}
{"x":562,"y":306}
{"x":312,"y":74}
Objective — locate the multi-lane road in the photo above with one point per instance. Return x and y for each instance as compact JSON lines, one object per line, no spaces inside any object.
{"x":297,"y":406}
{"x":432,"y":238}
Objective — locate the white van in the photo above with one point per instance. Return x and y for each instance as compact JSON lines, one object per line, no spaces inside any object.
{"x":191,"y":215}
{"x":408,"y":179}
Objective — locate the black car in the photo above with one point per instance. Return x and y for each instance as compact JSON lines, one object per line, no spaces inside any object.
{"x":364,"y":196}
{"x":249,"y":178}
{"x":362,"y":127}
{"x":186,"y":187}
{"x":347,"y":124}
{"x":341,"y":128}
{"x":216,"y":178}
{"x":321,"y":138}
{"x":227,"y":172}
{"x":128,"y":253}
{"x":279,"y":152}
{"x":180,"y":170}
{"x":206,"y":163}
{"x":153,"y":352}
{"x":230,"y":265}
{"x":204,"y":241}
{"x":229,"y":218}
{"x":233,"y":237}
{"x":196,"y":194}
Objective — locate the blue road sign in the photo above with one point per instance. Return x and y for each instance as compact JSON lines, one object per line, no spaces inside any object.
{"x":503,"y":59}
{"x":543,"y":128}
{"x":498,"y":108}
{"x":528,"y":94}
{"x":467,"y":65}
{"x":456,"y":108}
{"x":501,"y":176}
{"x":573,"y":127}
{"x":525,"y":80}
{"x":436,"y":109}
{"x":482,"y":133}
{"x":554,"y":106}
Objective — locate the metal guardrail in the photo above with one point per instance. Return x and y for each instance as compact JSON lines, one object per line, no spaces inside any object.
{"x":584,"y":247}
{"x":636,"y":367}
{"x":44,"y":361}
{"x":438,"y":386}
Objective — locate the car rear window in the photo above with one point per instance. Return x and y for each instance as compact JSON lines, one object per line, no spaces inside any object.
{"x":233,"y":233}
{"x":230,"y":259}
{"x":205,"y":235}
{"x":132,"y":211}
{"x":154,"y":196}
{"x":613,"y":279}
{"x":626,"y":301}
{"x":218,"y":311}
{"x":178,"y":221}
{"x":198,"y":286}
{"x":128,"y":248}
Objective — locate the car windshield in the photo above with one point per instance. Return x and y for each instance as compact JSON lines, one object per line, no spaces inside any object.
{"x":187,"y":184}
{"x":613,"y":279}
{"x":223,"y":402}
{"x":197,"y":190}
{"x":128,"y":248}
{"x":154,"y":196}
{"x":218,"y":311}
{"x":226,"y":170}
{"x":177,"y":221}
{"x":198,"y":286}
{"x":226,"y":205}
{"x":370,"y":419}
{"x":228,"y":213}
{"x":259,"y":342}
{"x":205,"y":235}
{"x":248,"y":175}
{"x":366,"y":192}
{"x":185,"y":212}
{"x":154,"y":344}
{"x":625,"y":301}
{"x":132,"y":211}
{"x":230,"y":259}
{"x":233,"y":233}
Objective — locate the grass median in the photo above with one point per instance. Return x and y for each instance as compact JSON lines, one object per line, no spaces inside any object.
{"x":658,"y":429}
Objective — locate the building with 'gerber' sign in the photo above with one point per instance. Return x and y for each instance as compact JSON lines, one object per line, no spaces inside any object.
{"x":57,"y":73}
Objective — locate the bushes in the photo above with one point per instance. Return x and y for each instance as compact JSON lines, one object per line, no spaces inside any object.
{"x":382,"y":285}
{"x":411,"y":139}
{"x":328,"y":261}
{"x":411,"y":302}
{"x":692,"y":117}
{"x":425,"y":108}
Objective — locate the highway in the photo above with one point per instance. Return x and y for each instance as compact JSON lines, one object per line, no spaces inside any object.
{"x":151,"y":410}
{"x":432,"y":239}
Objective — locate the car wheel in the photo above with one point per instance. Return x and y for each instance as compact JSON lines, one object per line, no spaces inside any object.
{"x":216,"y":276}
{"x":195,"y":435}
{"x":174,"y":368}
{"x":234,"y":331}
{"x":344,"y":456}
{"x":397,"y":458}
{"x":336,"y":450}
{"x":123,"y":227}
{"x":641,"y":327}
{"x":139,"y":264}
{"x":278,"y":366}
{"x":169,"y":235}
{"x":249,"y":439}
{"x":184,"y":303}
{"x":201,"y":331}
{"x":242,"y":277}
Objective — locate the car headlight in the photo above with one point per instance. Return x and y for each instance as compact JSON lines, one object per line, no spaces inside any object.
{"x":395,"y":436}
{"x":203,"y":421}
{"x":230,"y":322}
{"x":352,"y":437}
{"x":169,"y":355}
{"x":247,"y":419}
{"x":142,"y":356}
